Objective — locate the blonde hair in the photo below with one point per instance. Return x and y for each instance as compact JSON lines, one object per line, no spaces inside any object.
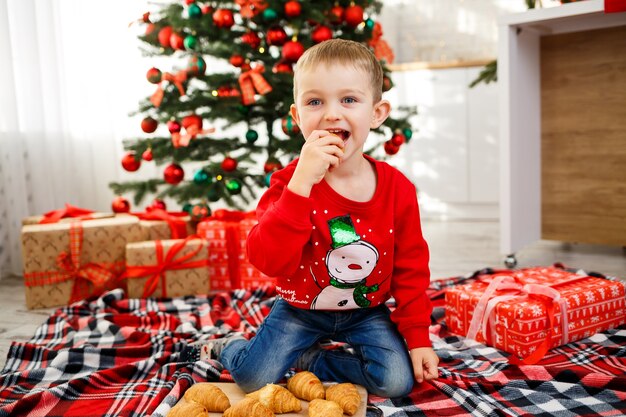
{"x":344,"y":52}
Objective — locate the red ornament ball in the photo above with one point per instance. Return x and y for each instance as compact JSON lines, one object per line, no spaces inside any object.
{"x":223,"y":18}
{"x":276,"y":36}
{"x":207,"y":9}
{"x":387,"y":83}
{"x":149,"y":125}
{"x":129,"y":163}
{"x":173,"y":126}
{"x":157,"y":203}
{"x":282,"y":67}
{"x":321,"y":33}
{"x":147,"y":155}
{"x":229,"y":164}
{"x":292,"y":51}
{"x":390,"y":148}
{"x":164,"y":36}
{"x":272,"y":165}
{"x":149,"y":29}
{"x":173,"y":174}
{"x":335,"y":15}
{"x":252,"y":39}
{"x":154,"y":75}
{"x":353,"y":15}
{"x":236,"y":60}
{"x":397,"y":139}
{"x":177,"y":41}
{"x":293,"y":8}
{"x":120,"y":205}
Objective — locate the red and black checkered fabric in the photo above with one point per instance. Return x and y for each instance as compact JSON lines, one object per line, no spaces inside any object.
{"x":113,"y":356}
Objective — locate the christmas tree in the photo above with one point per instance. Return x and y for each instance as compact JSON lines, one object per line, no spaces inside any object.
{"x":261,"y":41}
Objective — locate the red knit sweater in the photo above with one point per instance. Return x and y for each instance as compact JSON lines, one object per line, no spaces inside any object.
{"x":331,"y":253}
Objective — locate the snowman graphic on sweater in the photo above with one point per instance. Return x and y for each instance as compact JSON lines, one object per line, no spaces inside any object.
{"x":349,"y":262}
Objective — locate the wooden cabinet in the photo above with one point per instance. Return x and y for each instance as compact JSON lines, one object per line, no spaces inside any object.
{"x":562,"y":81}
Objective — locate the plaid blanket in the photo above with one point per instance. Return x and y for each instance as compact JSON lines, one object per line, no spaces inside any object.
{"x":113,"y":356}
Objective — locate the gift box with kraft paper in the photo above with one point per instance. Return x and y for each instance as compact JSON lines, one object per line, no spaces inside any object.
{"x":167,"y":268}
{"x":227,"y":231}
{"x":65,"y":262}
{"x":511,"y":310}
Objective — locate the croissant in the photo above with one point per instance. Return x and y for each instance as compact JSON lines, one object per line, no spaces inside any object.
{"x":305,"y":385}
{"x":188,"y":409}
{"x":277,"y":399}
{"x":346,"y":395}
{"x":324,"y":408}
{"x":249,"y":407}
{"x":209,"y":396}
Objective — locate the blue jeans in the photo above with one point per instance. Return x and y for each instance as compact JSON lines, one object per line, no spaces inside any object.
{"x":381,"y":362}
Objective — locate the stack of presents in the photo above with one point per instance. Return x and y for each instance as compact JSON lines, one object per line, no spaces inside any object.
{"x":72,"y":253}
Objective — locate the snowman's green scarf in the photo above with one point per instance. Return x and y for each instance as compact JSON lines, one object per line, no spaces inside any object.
{"x":360,"y":289}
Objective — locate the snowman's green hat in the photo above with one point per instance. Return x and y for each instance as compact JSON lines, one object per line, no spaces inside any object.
{"x":342,"y":231}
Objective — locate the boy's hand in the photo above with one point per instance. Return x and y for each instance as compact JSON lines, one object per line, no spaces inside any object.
{"x":425,"y":362}
{"x":321,"y":152}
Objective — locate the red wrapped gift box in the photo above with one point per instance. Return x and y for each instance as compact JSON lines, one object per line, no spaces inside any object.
{"x":521,"y":312}
{"x":229,"y":267}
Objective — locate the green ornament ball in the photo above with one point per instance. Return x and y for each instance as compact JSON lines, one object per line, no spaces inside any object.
{"x":201,"y":177}
{"x":194,"y":11}
{"x":408,"y":133}
{"x":187,"y":207}
{"x":190,"y":42}
{"x":269,"y":14}
{"x":233,"y":186}
{"x":213,"y":194}
{"x":369,"y":23}
{"x":252,"y":136}
{"x":244,"y":110}
{"x":268,"y":178}
{"x":196,"y":65}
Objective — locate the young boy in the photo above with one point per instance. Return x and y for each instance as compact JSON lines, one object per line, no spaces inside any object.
{"x":341,"y":232}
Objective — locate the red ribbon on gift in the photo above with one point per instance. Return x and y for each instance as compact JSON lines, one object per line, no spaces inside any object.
{"x":382,"y":50}
{"x":232,"y":230}
{"x":70,"y":268}
{"x":614,"y":6}
{"x":250,"y":8}
{"x":178,"y":226}
{"x":68,"y":211}
{"x":252,"y":80}
{"x":177,"y":79}
{"x":156,"y":273}
{"x":505,"y":287}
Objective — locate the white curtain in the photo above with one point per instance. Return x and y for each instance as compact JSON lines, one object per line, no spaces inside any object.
{"x":70,"y":72}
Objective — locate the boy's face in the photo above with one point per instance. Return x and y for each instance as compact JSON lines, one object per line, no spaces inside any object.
{"x":339,"y":99}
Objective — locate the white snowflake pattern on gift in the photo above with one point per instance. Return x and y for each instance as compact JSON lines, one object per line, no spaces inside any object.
{"x":595,"y":319}
{"x":576,"y":298}
{"x":601,"y":291}
{"x":590,"y":296}
{"x":614,"y":291}
{"x":536,"y":311}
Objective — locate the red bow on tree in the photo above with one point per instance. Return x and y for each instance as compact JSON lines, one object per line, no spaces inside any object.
{"x":250,"y":8}
{"x":177,"y":79}
{"x":252,"y":80}
{"x":382,"y":50}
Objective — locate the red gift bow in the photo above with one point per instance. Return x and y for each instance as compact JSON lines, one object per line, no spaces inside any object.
{"x":177,"y":79}
{"x":250,"y":8}
{"x":71,"y":268}
{"x":68,"y":211}
{"x":231,"y":219}
{"x":547,"y":294}
{"x":178,"y":226}
{"x":382,"y":50}
{"x":191,"y":132}
{"x":154,"y":272}
{"x":251,"y":80}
